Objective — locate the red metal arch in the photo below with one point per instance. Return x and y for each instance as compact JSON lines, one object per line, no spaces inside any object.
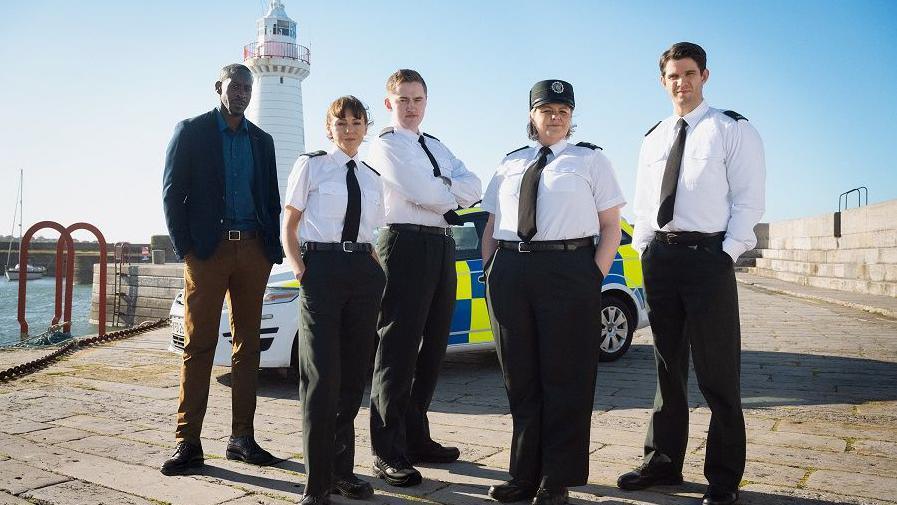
{"x":101,"y":316}
{"x":65,"y":239}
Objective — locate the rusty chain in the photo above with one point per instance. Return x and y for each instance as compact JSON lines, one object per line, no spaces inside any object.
{"x":71,"y":346}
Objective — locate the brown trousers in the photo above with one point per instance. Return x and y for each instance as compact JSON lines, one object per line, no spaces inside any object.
{"x":239,"y":270}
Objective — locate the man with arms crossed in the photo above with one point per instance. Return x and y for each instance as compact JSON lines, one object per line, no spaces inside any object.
{"x":699,"y":193}
{"x":423,"y":184}
{"x":222,"y":208}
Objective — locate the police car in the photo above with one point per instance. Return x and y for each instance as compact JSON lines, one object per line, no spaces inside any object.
{"x":624,"y":308}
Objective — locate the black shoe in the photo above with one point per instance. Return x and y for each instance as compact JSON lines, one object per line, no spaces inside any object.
{"x":246,"y":450}
{"x":352,"y":487}
{"x":550,"y":496}
{"x":314,"y":500}
{"x":399,"y":474}
{"x":434,"y":452}
{"x":720,"y":497}
{"x":647,"y":475}
{"x":185,"y":457}
{"x":512,"y":490}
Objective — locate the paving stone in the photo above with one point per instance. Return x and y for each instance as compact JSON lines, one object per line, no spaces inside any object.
{"x":801,"y":440}
{"x":16,"y":477}
{"x":76,"y":492}
{"x":56,"y":434}
{"x":17,"y":426}
{"x":259,"y":499}
{"x":119,"y":449}
{"x":8,"y":499}
{"x":762,"y":494}
{"x":851,"y":483}
{"x":875,"y":448}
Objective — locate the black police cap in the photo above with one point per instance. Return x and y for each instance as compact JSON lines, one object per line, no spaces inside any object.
{"x":551,"y":91}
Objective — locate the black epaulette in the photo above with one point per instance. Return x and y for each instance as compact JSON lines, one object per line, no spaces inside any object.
{"x":589,"y":145}
{"x":388,"y":129}
{"x":515,"y":150}
{"x":652,"y":128}
{"x":372,"y":168}
{"x":432,"y":137}
{"x":734,"y":115}
{"x":314,"y":153}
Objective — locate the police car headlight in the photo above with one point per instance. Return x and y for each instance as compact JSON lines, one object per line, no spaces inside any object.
{"x":276,"y":295}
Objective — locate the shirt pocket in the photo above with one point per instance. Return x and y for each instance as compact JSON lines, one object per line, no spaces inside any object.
{"x":562,"y":179}
{"x":332,"y":198}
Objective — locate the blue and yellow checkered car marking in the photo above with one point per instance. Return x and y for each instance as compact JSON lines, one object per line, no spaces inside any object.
{"x":470,"y":322}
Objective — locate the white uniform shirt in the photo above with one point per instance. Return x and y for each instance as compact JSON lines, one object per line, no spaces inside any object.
{"x":721,"y":181}
{"x":317,"y":187}
{"x":576,"y":184}
{"x":411,"y":193}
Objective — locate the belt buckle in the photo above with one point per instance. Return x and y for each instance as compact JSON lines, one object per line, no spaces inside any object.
{"x":520,"y":248}
{"x":233,"y":234}
{"x":346,"y":246}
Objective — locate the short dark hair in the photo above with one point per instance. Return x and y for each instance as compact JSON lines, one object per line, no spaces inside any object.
{"x":404,"y":75}
{"x":228,"y":71}
{"x":681,"y":50}
{"x":343,"y":105}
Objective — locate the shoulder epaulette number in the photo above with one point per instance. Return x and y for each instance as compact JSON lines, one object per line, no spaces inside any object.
{"x":388,"y":129}
{"x":372,"y":168}
{"x":314,"y":153}
{"x":734,"y":115}
{"x":589,"y":145}
{"x":652,"y":128}
{"x":432,"y":137}
{"x":515,"y":150}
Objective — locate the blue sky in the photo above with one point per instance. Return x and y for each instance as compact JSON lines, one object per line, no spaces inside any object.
{"x":94,"y":88}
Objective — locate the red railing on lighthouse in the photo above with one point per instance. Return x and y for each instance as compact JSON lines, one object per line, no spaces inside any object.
{"x":276,"y":50}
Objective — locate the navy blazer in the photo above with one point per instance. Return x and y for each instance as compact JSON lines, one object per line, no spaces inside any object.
{"x":193,"y":188}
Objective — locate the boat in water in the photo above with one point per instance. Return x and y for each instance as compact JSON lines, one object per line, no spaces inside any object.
{"x":31,"y":272}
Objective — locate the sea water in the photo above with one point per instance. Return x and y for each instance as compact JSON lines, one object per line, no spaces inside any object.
{"x":40,"y":307}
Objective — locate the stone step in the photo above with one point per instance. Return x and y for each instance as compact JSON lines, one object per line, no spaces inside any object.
{"x":858,"y":271}
{"x":864,"y":255}
{"x":852,"y":285}
{"x":864,"y":240}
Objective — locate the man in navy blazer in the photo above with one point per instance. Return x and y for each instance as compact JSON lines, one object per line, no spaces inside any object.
{"x":222,"y":208}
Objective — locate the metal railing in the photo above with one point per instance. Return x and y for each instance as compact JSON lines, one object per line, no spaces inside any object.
{"x":862,"y":199}
{"x":862,"y":192}
{"x":276,"y":50}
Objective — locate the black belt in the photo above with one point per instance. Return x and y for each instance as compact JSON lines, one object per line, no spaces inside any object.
{"x":687,"y":237}
{"x":432,"y":230}
{"x":547,"y":245}
{"x":349,"y":247}
{"x":239,"y":234}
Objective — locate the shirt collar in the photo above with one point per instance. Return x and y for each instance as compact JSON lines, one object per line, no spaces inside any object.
{"x":341,"y":158}
{"x":222,"y":124}
{"x":694,"y":116}
{"x":555,"y":148}
{"x":407,"y":134}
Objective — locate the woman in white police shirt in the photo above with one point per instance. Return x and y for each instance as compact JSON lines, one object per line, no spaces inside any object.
{"x":547,"y":204}
{"x":334,"y":202}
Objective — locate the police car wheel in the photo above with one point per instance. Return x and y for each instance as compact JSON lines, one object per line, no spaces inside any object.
{"x":617,"y":327}
{"x":294,"y":357}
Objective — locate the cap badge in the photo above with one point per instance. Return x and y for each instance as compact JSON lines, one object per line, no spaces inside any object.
{"x":557,"y":87}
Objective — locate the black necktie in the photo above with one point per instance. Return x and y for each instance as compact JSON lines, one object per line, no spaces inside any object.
{"x":353,"y":205}
{"x":423,"y":143}
{"x":451,"y":217}
{"x":529,"y":191}
{"x":671,"y":177}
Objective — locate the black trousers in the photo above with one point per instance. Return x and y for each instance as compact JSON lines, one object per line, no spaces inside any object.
{"x":694,"y":304}
{"x":340,"y":301}
{"x":415,"y":319}
{"x":546,"y":317}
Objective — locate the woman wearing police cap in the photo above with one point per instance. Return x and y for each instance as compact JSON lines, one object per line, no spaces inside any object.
{"x":552,"y":234}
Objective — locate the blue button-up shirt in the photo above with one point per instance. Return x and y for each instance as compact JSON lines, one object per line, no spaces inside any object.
{"x":239,"y":206}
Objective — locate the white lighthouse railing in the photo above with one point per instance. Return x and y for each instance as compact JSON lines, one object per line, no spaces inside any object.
{"x":276,"y":50}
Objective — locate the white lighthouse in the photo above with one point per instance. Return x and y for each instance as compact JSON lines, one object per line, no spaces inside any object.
{"x":279,"y":66}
